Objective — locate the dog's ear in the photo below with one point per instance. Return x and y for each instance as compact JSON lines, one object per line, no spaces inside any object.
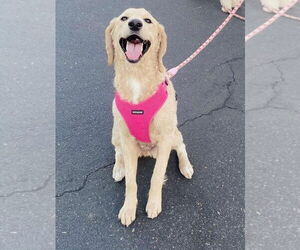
{"x":162,"y":47}
{"x":109,"y":42}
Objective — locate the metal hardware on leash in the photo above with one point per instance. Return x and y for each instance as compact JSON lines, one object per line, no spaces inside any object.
{"x":172,"y":72}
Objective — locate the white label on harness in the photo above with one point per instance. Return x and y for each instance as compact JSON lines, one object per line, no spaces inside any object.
{"x":137,"y":112}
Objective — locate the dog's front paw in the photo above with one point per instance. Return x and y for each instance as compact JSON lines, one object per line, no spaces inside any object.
{"x":127,"y":214}
{"x":187,"y":170}
{"x":225,"y":10}
{"x":118,"y":173}
{"x":153,"y":208}
{"x":266,"y":9}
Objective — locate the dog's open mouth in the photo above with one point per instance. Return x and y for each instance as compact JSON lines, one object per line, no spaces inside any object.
{"x":134,"y":47}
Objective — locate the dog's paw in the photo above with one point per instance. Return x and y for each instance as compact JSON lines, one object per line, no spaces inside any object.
{"x":266,"y":9}
{"x":118,"y":173}
{"x":127,"y":214}
{"x":187,"y":171}
{"x":153,"y":208}
{"x":225,"y":10}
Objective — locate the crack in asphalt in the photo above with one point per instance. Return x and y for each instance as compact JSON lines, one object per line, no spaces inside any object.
{"x":235,"y":108}
{"x":283,"y":59}
{"x":83,"y":184}
{"x":227,"y":98}
{"x":231,"y":60}
{"x":284,"y":108}
{"x":276,"y":92}
{"x":36,"y":189}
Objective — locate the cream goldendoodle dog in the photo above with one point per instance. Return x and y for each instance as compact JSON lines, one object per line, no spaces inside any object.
{"x":228,"y":5}
{"x":144,"y":108}
{"x":274,"y":5}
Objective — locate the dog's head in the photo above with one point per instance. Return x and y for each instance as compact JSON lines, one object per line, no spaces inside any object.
{"x":134,"y":36}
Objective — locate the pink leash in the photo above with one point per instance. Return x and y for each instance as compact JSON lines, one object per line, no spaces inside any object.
{"x":240,"y":17}
{"x":172,"y":72}
{"x":291,"y":17}
{"x":271,"y":20}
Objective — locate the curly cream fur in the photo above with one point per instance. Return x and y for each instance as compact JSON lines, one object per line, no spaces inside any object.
{"x":228,"y":5}
{"x":274,"y":5}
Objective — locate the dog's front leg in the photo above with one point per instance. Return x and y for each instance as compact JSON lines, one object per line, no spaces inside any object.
{"x":154,"y":205}
{"x":128,"y":211}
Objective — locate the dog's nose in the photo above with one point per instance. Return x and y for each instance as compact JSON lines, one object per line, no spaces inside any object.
{"x":135,"y":25}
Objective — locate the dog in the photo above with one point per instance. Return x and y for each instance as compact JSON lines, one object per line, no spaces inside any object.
{"x":274,"y":6}
{"x":135,"y":44}
{"x":228,"y":5}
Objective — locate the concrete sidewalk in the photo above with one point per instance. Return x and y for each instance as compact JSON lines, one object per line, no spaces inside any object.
{"x":272,"y":131}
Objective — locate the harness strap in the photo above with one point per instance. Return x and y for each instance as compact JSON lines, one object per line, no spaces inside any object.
{"x":138,"y":117}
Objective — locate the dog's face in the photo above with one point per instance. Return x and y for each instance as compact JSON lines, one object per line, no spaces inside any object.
{"x":134,"y":36}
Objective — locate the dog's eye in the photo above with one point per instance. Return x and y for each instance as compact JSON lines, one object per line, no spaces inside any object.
{"x":147,"y":20}
{"x":124,"y":18}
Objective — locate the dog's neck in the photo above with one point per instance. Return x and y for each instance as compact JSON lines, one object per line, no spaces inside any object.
{"x":137,"y":82}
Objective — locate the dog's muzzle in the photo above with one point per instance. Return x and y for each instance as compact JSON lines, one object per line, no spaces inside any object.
{"x":134,"y":47}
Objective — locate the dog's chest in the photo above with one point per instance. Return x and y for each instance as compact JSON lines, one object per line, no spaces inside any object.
{"x":147,"y":149}
{"x":146,"y":146}
{"x":135,"y":88}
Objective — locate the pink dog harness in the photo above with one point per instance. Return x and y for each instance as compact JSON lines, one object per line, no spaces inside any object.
{"x":138,"y":117}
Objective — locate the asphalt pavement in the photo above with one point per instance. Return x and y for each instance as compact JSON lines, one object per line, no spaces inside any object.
{"x":206,"y":212}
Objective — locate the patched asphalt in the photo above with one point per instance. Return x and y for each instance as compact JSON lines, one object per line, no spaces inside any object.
{"x":206,"y":212}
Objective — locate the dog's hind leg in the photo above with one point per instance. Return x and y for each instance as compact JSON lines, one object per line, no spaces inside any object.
{"x":185,"y":166}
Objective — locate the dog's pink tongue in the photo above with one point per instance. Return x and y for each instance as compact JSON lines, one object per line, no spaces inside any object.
{"x":133,"y":51}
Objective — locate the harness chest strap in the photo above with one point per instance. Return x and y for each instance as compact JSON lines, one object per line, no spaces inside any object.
{"x":138,"y":117}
